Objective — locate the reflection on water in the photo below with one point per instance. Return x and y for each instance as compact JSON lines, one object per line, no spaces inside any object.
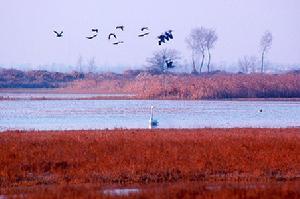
{"x":241,"y":189}
{"x":184,"y":189}
{"x":100,"y":114}
{"x":121,"y":192}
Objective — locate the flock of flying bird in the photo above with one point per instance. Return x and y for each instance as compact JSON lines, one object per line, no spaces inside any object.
{"x":163,"y":38}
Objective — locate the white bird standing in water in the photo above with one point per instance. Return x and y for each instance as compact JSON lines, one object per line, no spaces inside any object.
{"x":152,"y":122}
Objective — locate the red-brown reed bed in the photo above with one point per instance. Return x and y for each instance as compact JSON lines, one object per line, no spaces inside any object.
{"x":127,"y":157}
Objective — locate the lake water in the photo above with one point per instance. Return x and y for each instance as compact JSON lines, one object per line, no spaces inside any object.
{"x":101,"y":114}
{"x":34,"y":95}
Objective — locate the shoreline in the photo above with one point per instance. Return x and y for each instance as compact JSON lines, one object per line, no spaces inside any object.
{"x":150,"y":99}
{"x":155,"y":130}
{"x":113,"y":95}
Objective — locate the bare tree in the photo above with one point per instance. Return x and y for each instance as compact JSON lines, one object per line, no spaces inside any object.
{"x":157,"y":63}
{"x":210,"y":40}
{"x":200,"y":40}
{"x":92,"y":65}
{"x":196,"y":42}
{"x":265,"y":45}
{"x":80,"y":64}
{"x":247,"y":64}
{"x":193,"y":46}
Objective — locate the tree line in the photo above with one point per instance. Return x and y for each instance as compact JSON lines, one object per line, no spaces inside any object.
{"x":201,"y":41}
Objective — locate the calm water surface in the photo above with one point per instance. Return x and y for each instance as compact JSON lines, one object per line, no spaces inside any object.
{"x":101,"y":114}
{"x":26,"y":96}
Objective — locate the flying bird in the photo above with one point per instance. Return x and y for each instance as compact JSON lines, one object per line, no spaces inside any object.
{"x":167,"y":38}
{"x":162,"y":39}
{"x":112,"y":35}
{"x":118,"y":42}
{"x":144,"y":28}
{"x":92,"y":37}
{"x":120,"y":27}
{"x":169,"y":34}
{"x":95,"y":30}
{"x":170,"y":64}
{"x":142,"y":35}
{"x":58,"y":34}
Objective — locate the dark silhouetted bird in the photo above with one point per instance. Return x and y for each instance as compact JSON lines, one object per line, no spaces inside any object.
{"x":58,"y":34}
{"x":92,"y":37}
{"x":118,"y":42}
{"x":169,"y":64}
{"x":112,"y":35}
{"x":162,"y":39}
{"x":120,"y":27}
{"x":144,"y":34}
{"x":169,"y":34}
{"x":144,"y":28}
{"x":95,"y":30}
{"x":167,"y":38}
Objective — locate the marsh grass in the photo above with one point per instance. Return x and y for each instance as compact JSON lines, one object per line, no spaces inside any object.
{"x":66,"y":159}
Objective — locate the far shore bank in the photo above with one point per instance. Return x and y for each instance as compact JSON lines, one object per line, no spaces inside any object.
{"x":109,"y":96}
{"x":137,"y":98}
{"x":144,"y":85}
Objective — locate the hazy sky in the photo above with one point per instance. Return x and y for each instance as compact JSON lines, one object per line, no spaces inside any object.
{"x":27,"y":29}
